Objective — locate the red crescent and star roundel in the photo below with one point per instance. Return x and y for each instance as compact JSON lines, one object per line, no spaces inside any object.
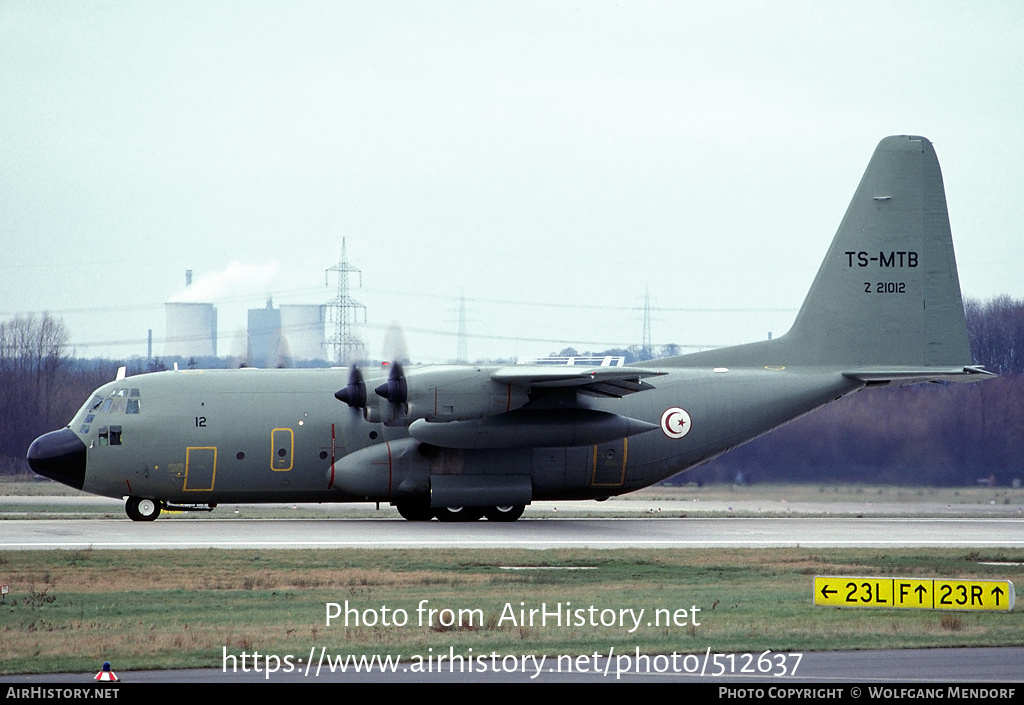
{"x":675,"y":422}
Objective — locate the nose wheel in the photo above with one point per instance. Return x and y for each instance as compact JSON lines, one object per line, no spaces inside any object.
{"x":142,"y":508}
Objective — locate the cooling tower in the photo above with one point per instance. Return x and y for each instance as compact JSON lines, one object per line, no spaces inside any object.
{"x":265,"y":349}
{"x":191,"y":330}
{"x":303,"y":328}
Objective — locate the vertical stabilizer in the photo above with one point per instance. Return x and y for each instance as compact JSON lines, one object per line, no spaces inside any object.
{"x":888,"y":293}
{"x":886,"y":302}
{"x":887,"y":296}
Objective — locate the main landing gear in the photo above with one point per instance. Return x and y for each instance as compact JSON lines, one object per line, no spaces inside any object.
{"x":414,"y":511}
{"x":509,"y":513}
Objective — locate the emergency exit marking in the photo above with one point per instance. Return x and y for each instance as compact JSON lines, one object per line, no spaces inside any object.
{"x":914,"y":593}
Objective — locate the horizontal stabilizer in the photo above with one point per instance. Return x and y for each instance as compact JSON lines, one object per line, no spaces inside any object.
{"x":911,"y":376}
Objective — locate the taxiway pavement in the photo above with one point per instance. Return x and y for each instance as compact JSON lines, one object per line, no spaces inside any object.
{"x":737,"y":532}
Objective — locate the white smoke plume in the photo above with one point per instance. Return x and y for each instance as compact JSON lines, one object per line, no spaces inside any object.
{"x":238,"y":279}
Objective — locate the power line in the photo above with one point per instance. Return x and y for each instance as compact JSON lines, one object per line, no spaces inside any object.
{"x":445,"y":333}
{"x":346,"y":345}
{"x":421,"y":295}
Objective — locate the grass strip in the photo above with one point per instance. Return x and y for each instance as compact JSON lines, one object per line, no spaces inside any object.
{"x":69,"y":611}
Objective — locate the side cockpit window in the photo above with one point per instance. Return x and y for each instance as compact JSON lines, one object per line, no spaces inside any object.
{"x":110,"y":435}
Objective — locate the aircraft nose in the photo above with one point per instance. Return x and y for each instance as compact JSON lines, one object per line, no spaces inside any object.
{"x":59,"y":455}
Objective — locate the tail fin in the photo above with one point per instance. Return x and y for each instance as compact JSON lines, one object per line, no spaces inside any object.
{"x":887,"y":293}
{"x":887,"y":296}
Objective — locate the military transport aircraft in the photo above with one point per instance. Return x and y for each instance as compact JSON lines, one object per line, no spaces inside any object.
{"x":461,"y":442}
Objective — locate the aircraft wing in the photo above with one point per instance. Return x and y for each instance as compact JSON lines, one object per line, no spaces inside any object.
{"x":613,"y":382}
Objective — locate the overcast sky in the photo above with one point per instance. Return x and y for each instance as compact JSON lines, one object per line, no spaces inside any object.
{"x":551,"y":160}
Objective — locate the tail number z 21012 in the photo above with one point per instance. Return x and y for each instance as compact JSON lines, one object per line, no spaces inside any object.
{"x":886,"y":288}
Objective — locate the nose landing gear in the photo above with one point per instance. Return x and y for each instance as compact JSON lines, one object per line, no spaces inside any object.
{"x":142,"y":508}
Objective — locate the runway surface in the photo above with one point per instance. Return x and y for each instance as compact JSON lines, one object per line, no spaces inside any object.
{"x":526,"y":533}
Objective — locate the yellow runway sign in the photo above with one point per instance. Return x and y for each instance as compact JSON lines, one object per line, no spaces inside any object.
{"x":914,"y":593}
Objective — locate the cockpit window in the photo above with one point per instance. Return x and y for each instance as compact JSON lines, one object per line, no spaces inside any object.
{"x":119,"y":401}
{"x":110,"y":435}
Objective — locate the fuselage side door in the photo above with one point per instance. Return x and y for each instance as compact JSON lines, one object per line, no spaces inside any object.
{"x":281,"y":448}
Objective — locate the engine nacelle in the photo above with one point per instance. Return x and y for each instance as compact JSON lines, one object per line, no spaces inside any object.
{"x":391,"y":470}
{"x":522,"y":429}
{"x":440,"y":394}
{"x":437,"y":394}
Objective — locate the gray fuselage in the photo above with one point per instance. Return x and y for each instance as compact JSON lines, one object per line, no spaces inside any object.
{"x":213,"y":436}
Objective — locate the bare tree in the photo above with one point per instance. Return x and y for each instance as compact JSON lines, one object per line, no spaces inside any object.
{"x":34,"y":365}
{"x":996,"y":331}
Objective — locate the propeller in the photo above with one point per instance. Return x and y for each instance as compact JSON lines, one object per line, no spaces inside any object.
{"x":354,"y":393}
{"x":283,"y":353}
{"x":395,"y":347}
{"x":396,"y":389}
{"x":240,"y":348}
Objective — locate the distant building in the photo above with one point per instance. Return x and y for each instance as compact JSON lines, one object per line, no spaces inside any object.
{"x":265,"y":340}
{"x":280,"y":336}
{"x":191,"y":330}
{"x":303,"y":329}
